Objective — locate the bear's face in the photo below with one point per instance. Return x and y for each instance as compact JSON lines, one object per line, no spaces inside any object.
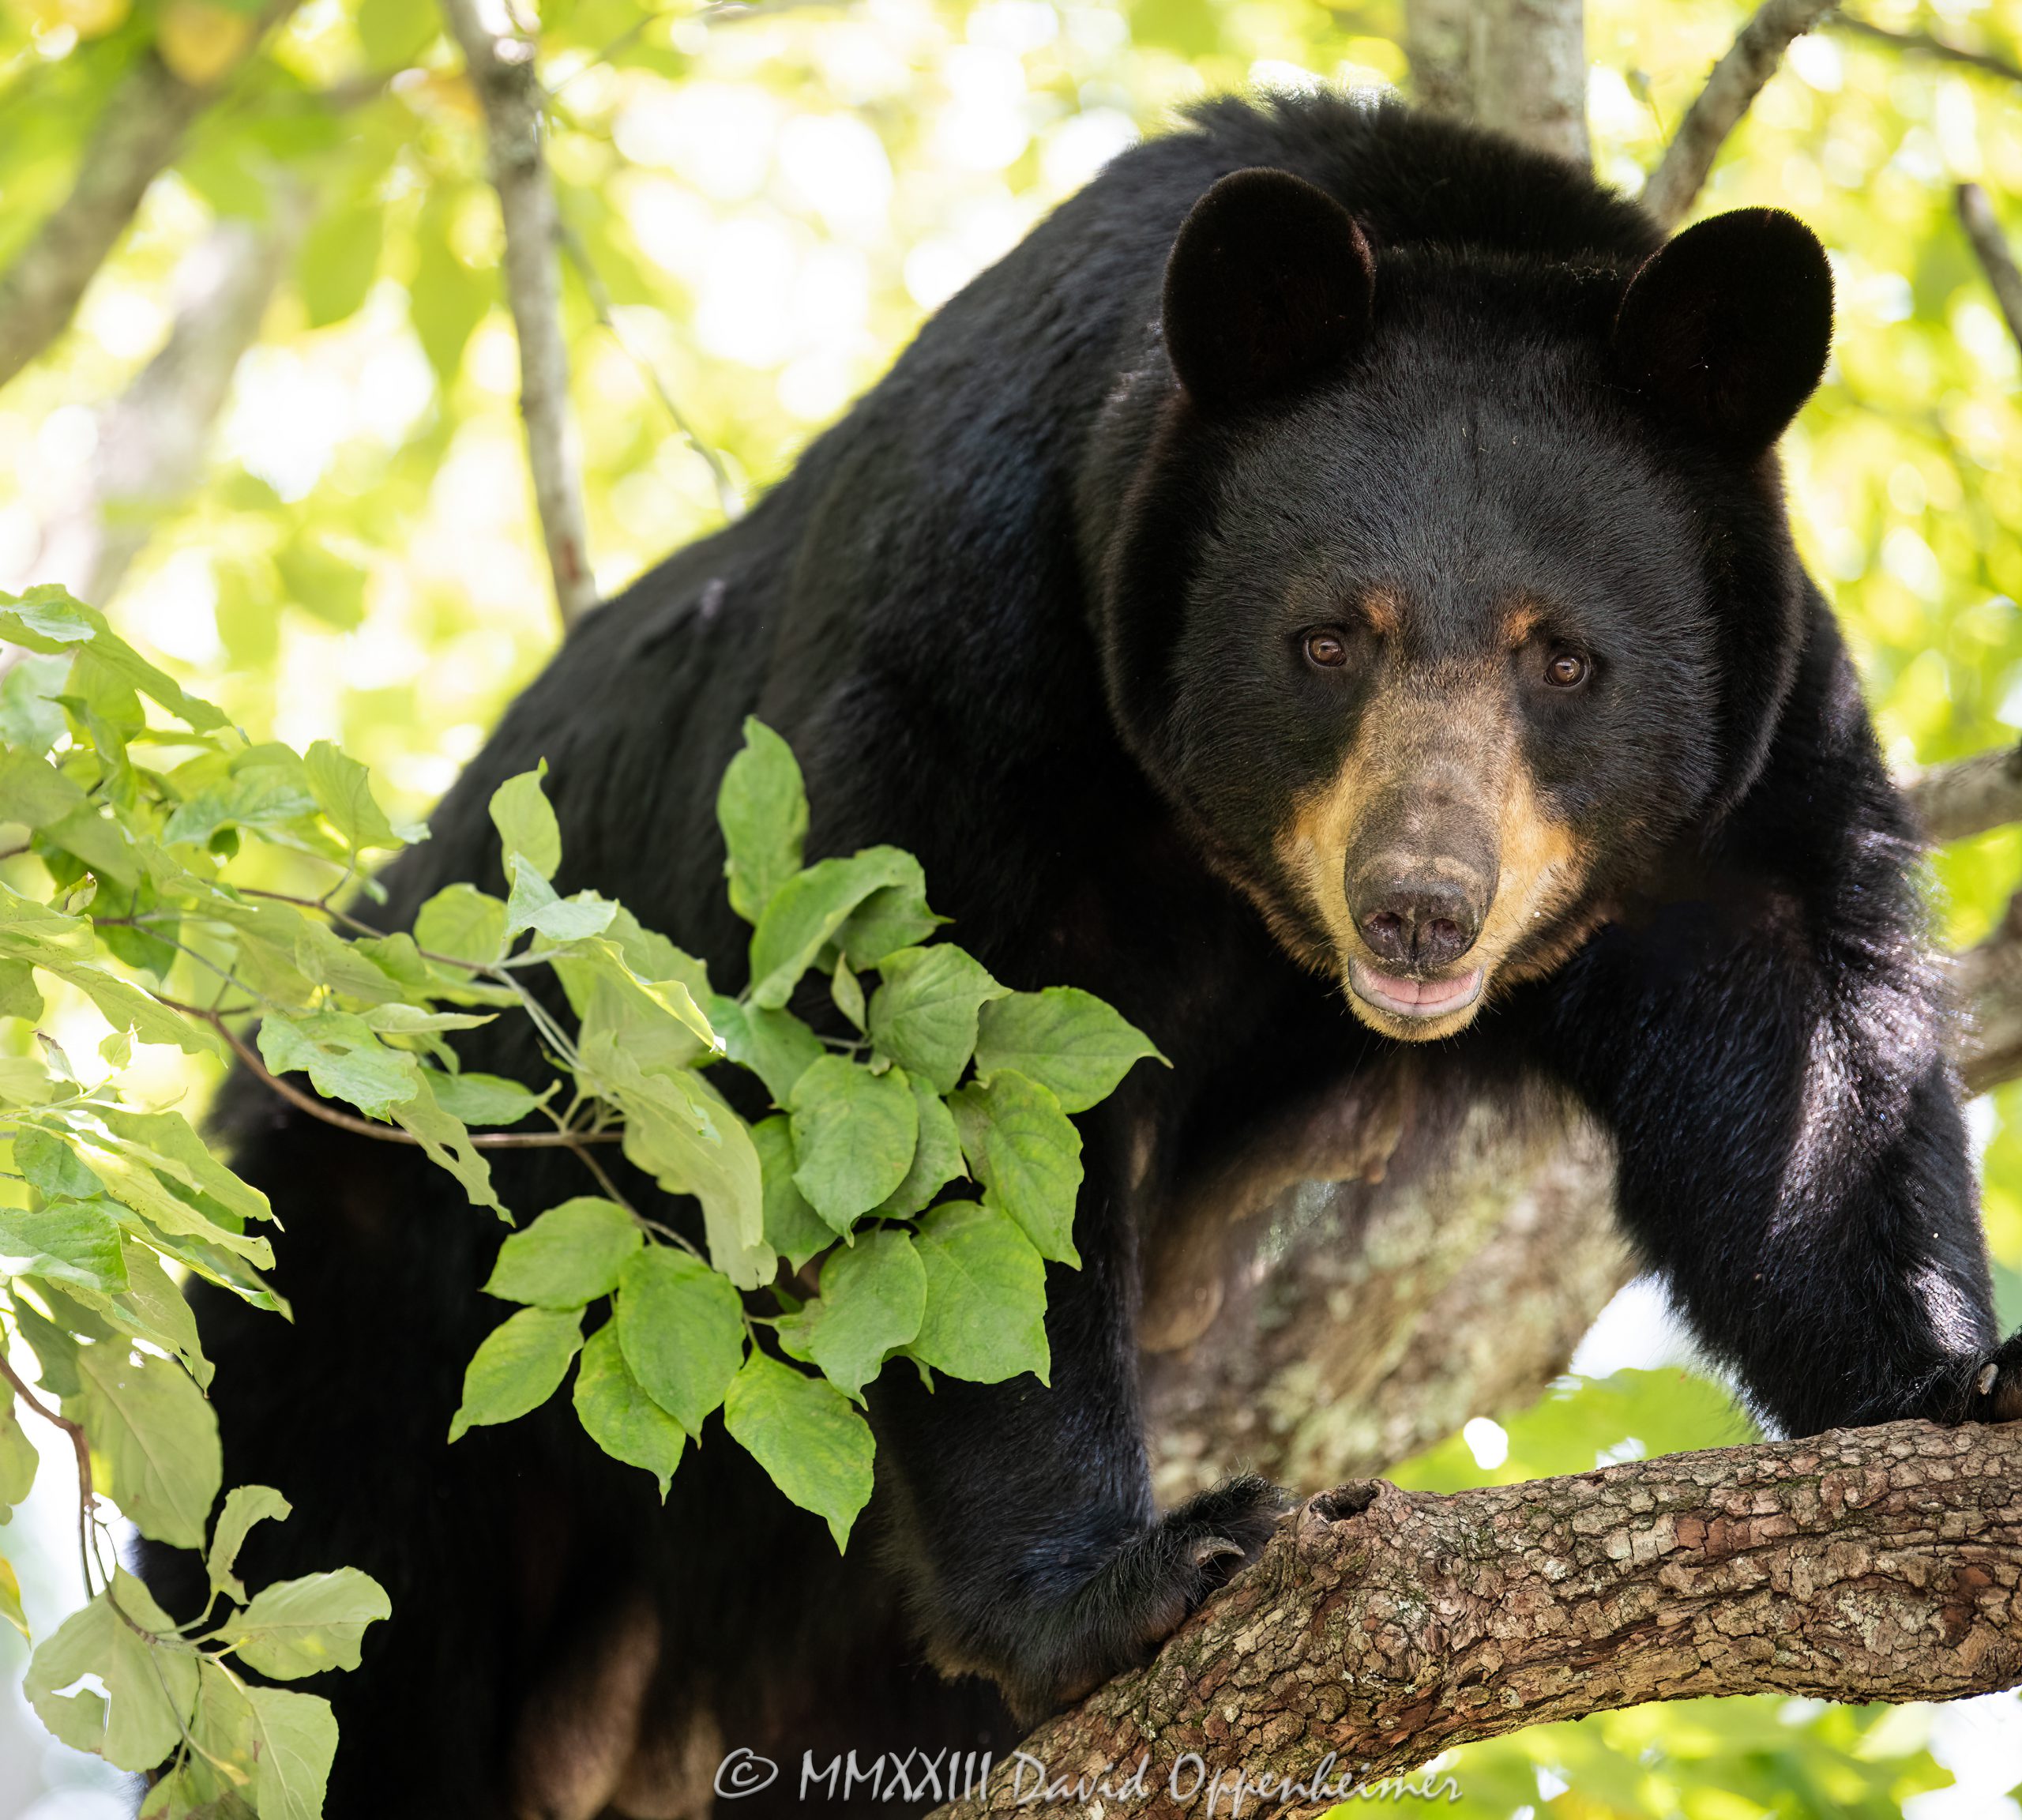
{"x":1418,"y":617}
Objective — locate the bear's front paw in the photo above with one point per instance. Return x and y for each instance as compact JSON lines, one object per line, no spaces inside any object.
{"x":1117,"y":1619}
{"x":1997,"y":1391}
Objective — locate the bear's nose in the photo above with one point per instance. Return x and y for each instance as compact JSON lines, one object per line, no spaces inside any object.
{"x":1418,"y":925}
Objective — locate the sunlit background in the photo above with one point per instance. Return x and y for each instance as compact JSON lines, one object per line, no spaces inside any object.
{"x":766,"y":202}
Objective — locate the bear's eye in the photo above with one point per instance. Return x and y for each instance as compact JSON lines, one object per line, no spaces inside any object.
{"x":1326,"y":647}
{"x":1566,"y":669}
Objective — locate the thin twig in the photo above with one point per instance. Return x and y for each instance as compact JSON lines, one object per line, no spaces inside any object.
{"x":728,"y":497}
{"x":81,"y":1446}
{"x":1983,"y":229}
{"x":1924,"y":44}
{"x":321,"y":1109}
{"x":502,"y":70}
{"x":1737,"y":79}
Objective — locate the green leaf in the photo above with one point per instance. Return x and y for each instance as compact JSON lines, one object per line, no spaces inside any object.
{"x":150,"y":1687}
{"x":152,"y":1307}
{"x":446,"y":299}
{"x":55,"y":1351}
{"x":937,"y":1157}
{"x":463,"y":922}
{"x":156,"y":1436}
{"x":620,"y":1416}
{"x":924,"y":1014}
{"x":1030,"y":1158}
{"x":1067,"y":1040}
{"x":45,"y":619}
{"x":525,"y":820}
{"x":446,"y":1142}
{"x":299,"y":1627}
{"x":324,"y":584}
{"x":854,"y":1133}
{"x":342,"y":1057}
{"x":168,"y":1144}
{"x":761,"y":807}
{"x":806,"y":910}
{"x":343,"y":791}
{"x":634,"y":1052}
{"x":894,"y":917}
{"x":339,"y":260}
{"x":792,"y":1227}
{"x":532,"y":904}
{"x":518,"y":1368}
{"x":846,"y":991}
{"x":244,"y":1506}
{"x":682,"y":1328}
{"x":52,"y":1166}
{"x":294,"y":1741}
{"x":487,"y":1099}
{"x":70,"y":1241}
{"x":873,"y":1294}
{"x":816,"y":1448}
{"x":18,"y":995}
{"x":570,"y":1255}
{"x":34,"y":792}
{"x":10,"y":1599}
{"x":216,"y":1778}
{"x":18,"y":1458}
{"x":775,"y":1045}
{"x":986,"y":1296}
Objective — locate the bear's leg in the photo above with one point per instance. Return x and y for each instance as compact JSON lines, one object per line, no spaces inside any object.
{"x":1791,"y":1155}
{"x":1022,"y":1526}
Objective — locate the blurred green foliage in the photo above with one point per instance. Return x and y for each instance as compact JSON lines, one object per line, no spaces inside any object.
{"x":772,"y":198}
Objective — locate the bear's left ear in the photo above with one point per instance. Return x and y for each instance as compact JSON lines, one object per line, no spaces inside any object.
{"x":1728,"y":327}
{"x":1267,"y":285}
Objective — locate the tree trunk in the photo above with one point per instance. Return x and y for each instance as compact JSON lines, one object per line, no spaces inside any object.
{"x":1518,"y":65}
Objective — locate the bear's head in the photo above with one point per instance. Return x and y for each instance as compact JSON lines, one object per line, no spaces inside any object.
{"x":1443,"y":591}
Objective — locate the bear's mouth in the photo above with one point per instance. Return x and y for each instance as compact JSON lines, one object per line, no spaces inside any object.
{"x":1415,"y":999}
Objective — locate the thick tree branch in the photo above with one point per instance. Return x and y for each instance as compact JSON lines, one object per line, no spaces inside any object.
{"x":502,"y":70}
{"x":1968,"y":797}
{"x":1382,"y":1627}
{"x":1737,"y":78}
{"x":137,"y":139}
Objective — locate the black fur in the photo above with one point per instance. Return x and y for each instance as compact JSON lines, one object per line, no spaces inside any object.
{"x":1028,"y":612}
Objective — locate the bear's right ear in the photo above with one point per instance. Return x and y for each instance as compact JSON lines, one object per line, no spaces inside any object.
{"x":1268,"y":285}
{"x":1726,"y":328}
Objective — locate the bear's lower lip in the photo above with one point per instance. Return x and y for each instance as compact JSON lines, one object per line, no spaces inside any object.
{"x":1403,"y":997}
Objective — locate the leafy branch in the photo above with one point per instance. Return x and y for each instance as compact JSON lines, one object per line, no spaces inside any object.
{"x":920,"y":1168}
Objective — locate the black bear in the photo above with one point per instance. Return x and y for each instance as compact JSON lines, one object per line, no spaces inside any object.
{"x":1329,"y":589}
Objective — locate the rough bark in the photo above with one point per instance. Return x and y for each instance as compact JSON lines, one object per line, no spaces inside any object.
{"x":153,"y":438}
{"x":509,"y":90}
{"x":1518,"y":65}
{"x":1382,"y":1627}
{"x":1531,"y":74}
{"x":1737,"y":78}
{"x":1344,"y":1325}
{"x":1439,"y":44}
{"x":1968,"y":797}
{"x":137,"y":139}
